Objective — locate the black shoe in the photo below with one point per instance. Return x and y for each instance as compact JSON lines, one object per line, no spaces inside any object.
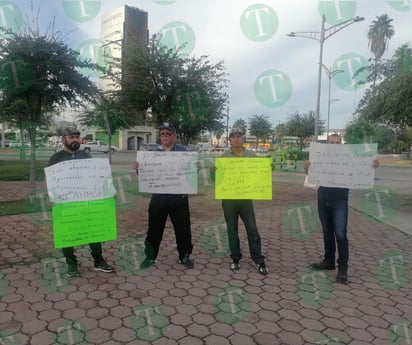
{"x":185,"y":261}
{"x":102,"y":266}
{"x":262,"y":269}
{"x":72,"y":271}
{"x":342,"y":276}
{"x":235,"y":265}
{"x":146,"y":263}
{"x":322,"y":266}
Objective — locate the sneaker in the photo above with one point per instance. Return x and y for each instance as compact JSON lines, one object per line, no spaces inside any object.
{"x":72,"y":271}
{"x":342,"y":276}
{"x":185,"y":261}
{"x":102,"y":266}
{"x":146,"y":263}
{"x":322,"y":266}
{"x":262,"y":269}
{"x":235,"y":265}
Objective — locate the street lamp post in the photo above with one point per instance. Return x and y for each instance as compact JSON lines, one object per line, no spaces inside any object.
{"x":330,"y":75}
{"x":321,"y":36}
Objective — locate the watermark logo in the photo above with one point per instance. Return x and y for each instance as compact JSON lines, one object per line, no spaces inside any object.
{"x":337,"y":11}
{"x":259,"y":22}
{"x":300,"y":221}
{"x":349,"y":79}
{"x":126,"y":187}
{"x":273,"y":88}
{"x":190,"y":105}
{"x":53,"y":273}
{"x":400,"y":332}
{"x":315,"y":287}
{"x":4,"y":285}
{"x":232,"y":305}
{"x":131,"y":255}
{"x":214,"y":239}
{"x":16,"y":75}
{"x":70,"y":332}
{"x":81,"y":10}
{"x":149,"y":322}
{"x":11,"y":338}
{"x":11,"y":17}
{"x":329,"y":339}
{"x":400,"y":5}
{"x":100,"y":57}
{"x":393,"y":270}
{"x":381,"y":203}
{"x":39,"y":207}
{"x":179,"y":37}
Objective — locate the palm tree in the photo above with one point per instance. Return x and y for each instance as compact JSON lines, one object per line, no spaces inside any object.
{"x":379,"y":34}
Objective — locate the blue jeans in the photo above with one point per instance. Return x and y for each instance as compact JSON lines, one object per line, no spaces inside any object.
{"x":333,"y":215}
{"x":233,"y":209}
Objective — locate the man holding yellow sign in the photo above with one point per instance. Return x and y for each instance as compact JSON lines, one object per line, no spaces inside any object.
{"x":235,"y":204}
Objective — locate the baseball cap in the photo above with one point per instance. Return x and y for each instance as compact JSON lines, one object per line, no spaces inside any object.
{"x":235,"y":131}
{"x":71,"y":131}
{"x":167,"y":125}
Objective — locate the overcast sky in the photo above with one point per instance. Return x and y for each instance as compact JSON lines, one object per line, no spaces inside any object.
{"x":271,"y":73}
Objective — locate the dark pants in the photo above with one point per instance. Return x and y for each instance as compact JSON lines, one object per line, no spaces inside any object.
{"x":233,"y":209}
{"x":333,"y":215}
{"x":96,"y":249}
{"x":177,"y":207}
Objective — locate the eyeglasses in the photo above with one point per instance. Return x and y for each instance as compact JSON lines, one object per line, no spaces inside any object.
{"x":166,"y":134}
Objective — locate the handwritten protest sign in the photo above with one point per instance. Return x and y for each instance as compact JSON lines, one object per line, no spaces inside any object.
{"x":79,"y":180}
{"x":342,"y":166}
{"x":243,"y":178}
{"x":77,"y":223}
{"x":167,"y":172}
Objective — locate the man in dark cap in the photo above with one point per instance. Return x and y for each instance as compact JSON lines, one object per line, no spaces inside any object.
{"x":233,"y":209}
{"x":176,"y":206}
{"x":71,"y":145}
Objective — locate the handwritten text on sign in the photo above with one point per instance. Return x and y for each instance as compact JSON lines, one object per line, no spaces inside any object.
{"x":84,"y":222}
{"x":167,"y":172}
{"x":342,"y":166}
{"x":243,"y":178}
{"x":79,"y":180}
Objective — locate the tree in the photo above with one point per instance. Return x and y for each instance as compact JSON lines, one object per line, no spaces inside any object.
{"x":260,"y":126}
{"x":280,"y":131}
{"x":106,"y":114}
{"x":38,"y":75}
{"x":390,"y":103}
{"x":379,"y":34}
{"x":240,"y":123}
{"x":187,"y":91}
{"x":302,"y":125}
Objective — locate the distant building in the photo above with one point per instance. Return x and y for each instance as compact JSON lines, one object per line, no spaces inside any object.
{"x":124,"y":30}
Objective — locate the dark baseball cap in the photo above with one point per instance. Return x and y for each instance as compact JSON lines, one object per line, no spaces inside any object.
{"x":70,"y":131}
{"x":235,"y":131}
{"x":167,"y":125}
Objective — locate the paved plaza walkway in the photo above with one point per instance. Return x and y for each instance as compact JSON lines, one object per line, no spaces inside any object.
{"x":208,"y":305}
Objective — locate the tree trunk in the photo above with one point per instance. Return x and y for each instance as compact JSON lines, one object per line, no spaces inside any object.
{"x":32,"y":138}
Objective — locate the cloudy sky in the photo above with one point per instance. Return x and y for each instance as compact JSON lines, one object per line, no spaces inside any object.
{"x":271,"y":73}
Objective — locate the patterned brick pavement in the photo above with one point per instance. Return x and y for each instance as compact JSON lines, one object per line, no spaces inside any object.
{"x":209,"y":304}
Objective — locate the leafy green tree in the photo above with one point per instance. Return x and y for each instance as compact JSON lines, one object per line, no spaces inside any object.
{"x":38,"y":75}
{"x":260,"y":126}
{"x":390,"y":103}
{"x":303,"y":125}
{"x":107,"y":114}
{"x":240,"y":123}
{"x":379,"y":34}
{"x":187,"y":91}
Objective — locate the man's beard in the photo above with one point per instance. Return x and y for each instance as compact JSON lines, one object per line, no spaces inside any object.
{"x":73,"y":146}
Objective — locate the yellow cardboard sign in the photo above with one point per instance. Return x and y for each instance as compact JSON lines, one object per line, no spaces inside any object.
{"x":243,"y":178}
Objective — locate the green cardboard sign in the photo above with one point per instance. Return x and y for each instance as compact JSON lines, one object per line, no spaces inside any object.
{"x":83,"y":222}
